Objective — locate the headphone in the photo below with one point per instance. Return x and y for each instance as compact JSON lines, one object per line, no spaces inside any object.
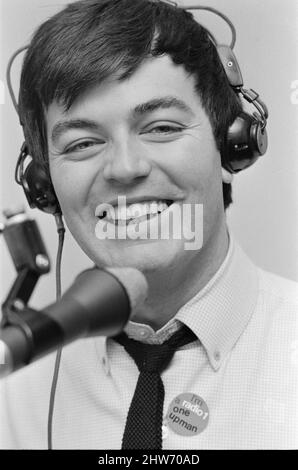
{"x":245,"y":142}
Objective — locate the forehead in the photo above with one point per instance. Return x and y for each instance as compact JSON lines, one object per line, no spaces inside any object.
{"x":156,"y":78}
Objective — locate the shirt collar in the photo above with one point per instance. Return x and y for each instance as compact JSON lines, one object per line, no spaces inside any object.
{"x":218,"y":314}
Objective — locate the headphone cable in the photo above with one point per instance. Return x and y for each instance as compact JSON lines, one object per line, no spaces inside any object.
{"x":61,"y":234}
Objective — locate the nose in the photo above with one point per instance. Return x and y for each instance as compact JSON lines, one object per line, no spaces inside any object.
{"x":125,"y":163}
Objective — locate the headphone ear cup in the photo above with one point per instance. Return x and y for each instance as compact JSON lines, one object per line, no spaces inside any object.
{"x":39,"y":190}
{"x":246,"y":142}
{"x":260,"y":138}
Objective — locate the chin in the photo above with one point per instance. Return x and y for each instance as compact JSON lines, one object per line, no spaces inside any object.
{"x":146,"y":256}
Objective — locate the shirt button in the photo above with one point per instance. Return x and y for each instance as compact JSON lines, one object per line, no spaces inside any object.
{"x":217,"y":355}
{"x":165,"y":431}
{"x":144,"y":334}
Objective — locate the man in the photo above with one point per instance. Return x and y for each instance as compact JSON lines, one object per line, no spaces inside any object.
{"x":129,"y":98}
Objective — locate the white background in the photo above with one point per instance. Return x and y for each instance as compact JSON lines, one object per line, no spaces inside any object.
{"x":263,"y":216}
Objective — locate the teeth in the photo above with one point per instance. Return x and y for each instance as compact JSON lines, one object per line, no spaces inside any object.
{"x":136,"y":210}
{"x":133,"y":211}
{"x":162,"y":206}
{"x":120,"y":213}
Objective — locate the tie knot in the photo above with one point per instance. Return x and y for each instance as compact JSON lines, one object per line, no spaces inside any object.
{"x":150,"y":357}
{"x":155,"y":357}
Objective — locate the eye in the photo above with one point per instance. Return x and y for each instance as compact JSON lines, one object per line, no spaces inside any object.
{"x":82,"y":145}
{"x":164,"y":129}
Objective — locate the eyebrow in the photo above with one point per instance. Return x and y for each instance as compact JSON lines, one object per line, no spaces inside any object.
{"x":165,"y":102}
{"x":142,"y":109}
{"x":63,"y":126}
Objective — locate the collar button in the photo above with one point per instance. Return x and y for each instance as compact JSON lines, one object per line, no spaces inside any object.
{"x":144,"y":334}
{"x":216,"y":355}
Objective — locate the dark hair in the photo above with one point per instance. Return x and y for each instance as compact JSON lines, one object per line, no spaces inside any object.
{"x":91,"y":40}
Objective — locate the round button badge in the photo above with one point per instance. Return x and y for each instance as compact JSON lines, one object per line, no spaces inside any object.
{"x":188,"y":414}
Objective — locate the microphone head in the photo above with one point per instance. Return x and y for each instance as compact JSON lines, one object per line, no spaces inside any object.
{"x":134,"y":283}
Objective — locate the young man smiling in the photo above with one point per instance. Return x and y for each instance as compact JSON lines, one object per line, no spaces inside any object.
{"x":129,"y":98}
{"x":126,"y":138}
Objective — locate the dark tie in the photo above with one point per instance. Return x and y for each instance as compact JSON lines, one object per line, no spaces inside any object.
{"x":143,"y":428}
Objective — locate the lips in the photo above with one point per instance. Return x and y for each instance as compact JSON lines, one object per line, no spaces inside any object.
{"x":130,"y":213}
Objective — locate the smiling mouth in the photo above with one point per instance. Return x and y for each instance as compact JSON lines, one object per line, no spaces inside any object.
{"x":133,"y":213}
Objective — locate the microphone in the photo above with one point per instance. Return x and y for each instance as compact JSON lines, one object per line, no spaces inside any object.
{"x":98,"y":303}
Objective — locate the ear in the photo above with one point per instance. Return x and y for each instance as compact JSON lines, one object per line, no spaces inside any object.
{"x":227,"y":177}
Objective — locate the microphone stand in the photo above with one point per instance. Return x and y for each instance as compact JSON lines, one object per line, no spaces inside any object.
{"x":30,"y":259}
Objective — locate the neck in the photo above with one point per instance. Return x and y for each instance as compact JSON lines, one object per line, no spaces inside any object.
{"x":170,"y":289}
